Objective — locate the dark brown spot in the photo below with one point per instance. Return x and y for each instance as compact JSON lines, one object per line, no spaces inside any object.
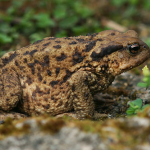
{"x":59,"y":104}
{"x":58,"y":41}
{"x":9,"y":59}
{"x":73,"y":42}
{"x":57,"y":46}
{"x":67,"y":76}
{"x":67,"y":38}
{"x":46,"y":44}
{"x":105,"y":51}
{"x":48,"y":92}
{"x":113,"y":33}
{"x":33,"y":51}
{"x":40,"y":92}
{"x":30,"y":53}
{"x":29,"y":81}
{"x":26,"y":53}
{"x":80,"y":40}
{"x":87,"y":61}
{"x":44,"y":82}
{"x":31,"y":65}
{"x":4,"y":70}
{"x":90,"y":46}
{"x":39,"y":77}
{"x":86,"y":80}
{"x":25,"y":60}
{"x":66,"y":104}
{"x":46,"y":106}
{"x":86,"y":95}
{"x":68,"y":97}
{"x":52,"y":38}
{"x":36,"y":61}
{"x":61,"y":58}
{"x":73,"y":88}
{"x":49,"y":72}
{"x":39,"y":68}
{"x":52,"y":83}
{"x":93,"y":35}
{"x":43,"y":64}
{"x":21,"y":67}
{"x":34,"y":93}
{"x":16,"y":63}
{"x":77,"y":58}
{"x":99,"y":39}
{"x":57,"y":71}
{"x":12,"y":94}
{"x":37,"y":91}
{"x":75,"y":96}
{"x":46,"y":60}
{"x":36,"y":42}
{"x":42,"y":48}
{"x":52,"y":98}
{"x":7,"y":99}
{"x":46,"y":99}
{"x":39,"y":104}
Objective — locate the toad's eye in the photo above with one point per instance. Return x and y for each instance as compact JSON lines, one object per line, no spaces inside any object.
{"x":133,"y":49}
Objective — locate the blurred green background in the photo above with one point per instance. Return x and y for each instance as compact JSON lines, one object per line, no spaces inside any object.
{"x":24,"y":21}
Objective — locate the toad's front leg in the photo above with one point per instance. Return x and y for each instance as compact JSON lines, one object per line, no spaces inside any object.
{"x":10,"y":90}
{"x":81,"y":84}
{"x":10,"y":94}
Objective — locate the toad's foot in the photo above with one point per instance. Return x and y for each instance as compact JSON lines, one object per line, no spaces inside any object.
{"x":73,"y":115}
{"x":13,"y":115}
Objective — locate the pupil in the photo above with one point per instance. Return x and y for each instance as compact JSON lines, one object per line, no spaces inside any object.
{"x":134,"y":48}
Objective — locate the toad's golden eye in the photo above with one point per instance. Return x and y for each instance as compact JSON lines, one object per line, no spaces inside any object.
{"x":133,"y":49}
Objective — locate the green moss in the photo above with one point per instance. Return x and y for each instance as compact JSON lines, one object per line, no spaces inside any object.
{"x":45,"y":123}
{"x":51,"y":125}
{"x":118,"y":131}
{"x":9,"y":128}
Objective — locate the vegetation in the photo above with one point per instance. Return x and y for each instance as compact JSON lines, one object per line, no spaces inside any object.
{"x":39,"y":19}
{"x":136,"y":105}
{"x":45,"y":18}
{"x":146,"y":79}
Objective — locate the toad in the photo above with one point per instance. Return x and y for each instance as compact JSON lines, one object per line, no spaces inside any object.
{"x":59,"y":76}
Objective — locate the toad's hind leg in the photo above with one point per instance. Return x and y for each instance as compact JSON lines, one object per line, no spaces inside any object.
{"x":81,"y":84}
{"x":10,"y":90}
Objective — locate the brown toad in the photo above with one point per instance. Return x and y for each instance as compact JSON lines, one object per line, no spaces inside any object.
{"x":60,"y":75}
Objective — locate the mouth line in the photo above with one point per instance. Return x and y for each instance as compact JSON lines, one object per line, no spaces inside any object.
{"x":138,"y":63}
